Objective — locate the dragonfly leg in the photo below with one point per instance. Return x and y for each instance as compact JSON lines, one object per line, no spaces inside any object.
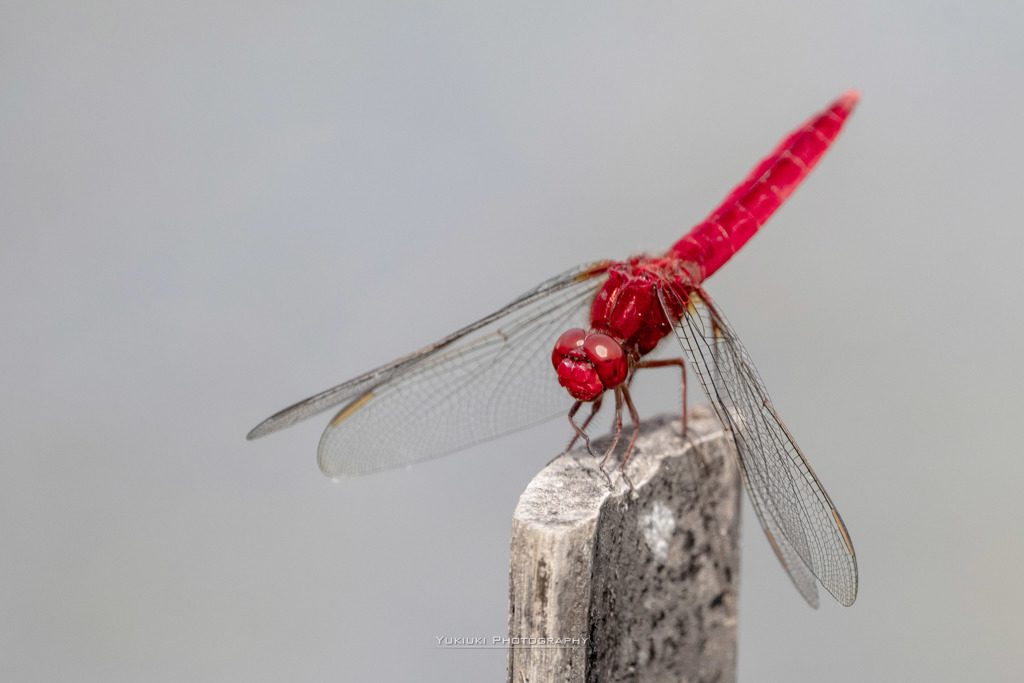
{"x":617,"y":426}
{"x":581,"y":430}
{"x":682,"y":367}
{"x":675,"y":312}
{"x":664,"y":364}
{"x":636,"y":432}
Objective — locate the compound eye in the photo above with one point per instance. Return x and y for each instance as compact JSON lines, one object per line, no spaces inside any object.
{"x":570,"y":341}
{"x":608,"y":358}
{"x":580,"y":378}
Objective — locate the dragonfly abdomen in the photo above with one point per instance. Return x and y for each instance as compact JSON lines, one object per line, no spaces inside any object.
{"x":751,"y":203}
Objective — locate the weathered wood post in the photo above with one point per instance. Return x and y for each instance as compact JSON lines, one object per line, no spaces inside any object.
{"x":609,"y":587}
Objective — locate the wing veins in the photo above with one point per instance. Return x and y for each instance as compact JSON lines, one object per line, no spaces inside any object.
{"x":358,"y":386}
{"x":807,"y":531}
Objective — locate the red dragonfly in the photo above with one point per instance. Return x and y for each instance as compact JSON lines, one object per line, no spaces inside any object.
{"x":492,"y":377}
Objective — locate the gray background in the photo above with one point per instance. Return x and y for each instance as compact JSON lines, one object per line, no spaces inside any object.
{"x":213,"y":209}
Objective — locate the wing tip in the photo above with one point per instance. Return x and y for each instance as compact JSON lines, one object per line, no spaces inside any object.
{"x":844,"y":598}
{"x":272,"y":424}
{"x":258,"y":431}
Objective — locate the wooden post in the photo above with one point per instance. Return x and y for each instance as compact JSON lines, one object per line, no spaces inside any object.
{"x":605,"y":586}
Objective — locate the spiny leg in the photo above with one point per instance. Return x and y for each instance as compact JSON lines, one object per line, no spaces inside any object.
{"x":682,"y":366}
{"x":581,"y":430}
{"x":636,"y":432}
{"x":668,"y":292}
{"x":664,"y":364}
{"x":617,"y":426}
{"x":674,"y":315}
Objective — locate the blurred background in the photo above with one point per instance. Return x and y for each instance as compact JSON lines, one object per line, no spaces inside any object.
{"x":213,"y":209}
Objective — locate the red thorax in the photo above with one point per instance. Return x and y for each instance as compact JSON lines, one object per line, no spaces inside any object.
{"x":627,"y":321}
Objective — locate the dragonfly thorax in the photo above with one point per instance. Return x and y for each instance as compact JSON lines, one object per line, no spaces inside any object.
{"x":588,"y":363}
{"x":630,"y":306}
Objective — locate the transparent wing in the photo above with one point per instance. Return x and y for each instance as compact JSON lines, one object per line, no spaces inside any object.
{"x":796,"y":513}
{"x":487,"y":379}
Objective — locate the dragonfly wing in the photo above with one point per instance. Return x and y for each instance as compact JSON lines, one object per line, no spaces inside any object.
{"x":487,"y":379}
{"x":796,"y":513}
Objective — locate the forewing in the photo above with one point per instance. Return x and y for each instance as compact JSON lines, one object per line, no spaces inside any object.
{"x":487,"y":379}
{"x":796,"y":513}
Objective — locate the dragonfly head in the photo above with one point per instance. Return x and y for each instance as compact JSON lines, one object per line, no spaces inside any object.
{"x":588,"y":363}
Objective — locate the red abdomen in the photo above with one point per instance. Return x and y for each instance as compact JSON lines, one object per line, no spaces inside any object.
{"x":628,"y":307}
{"x":711,"y":243}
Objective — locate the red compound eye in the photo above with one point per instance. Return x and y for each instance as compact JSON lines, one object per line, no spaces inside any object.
{"x":580,"y":379}
{"x":570,"y":340}
{"x":608,"y":358}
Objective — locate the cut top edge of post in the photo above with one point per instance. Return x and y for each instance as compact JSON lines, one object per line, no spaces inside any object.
{"x":571,"y":489}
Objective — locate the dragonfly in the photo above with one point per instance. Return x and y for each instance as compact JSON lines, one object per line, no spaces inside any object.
{"x":596,"y":324}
